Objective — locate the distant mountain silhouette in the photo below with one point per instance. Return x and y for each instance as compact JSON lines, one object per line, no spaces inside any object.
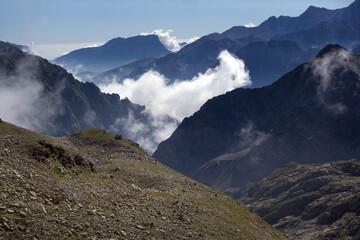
{"x":283,"y":24}
{"x":310,"y":115}
{"x":114,"y":53}
{"x":346,"y":33}
{"x":268,"y":61}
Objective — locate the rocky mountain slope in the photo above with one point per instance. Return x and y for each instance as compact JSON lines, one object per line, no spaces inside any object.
{"x":44,"y":97}
{"x":311,"y":201}
{"x":114,"y":53}
{"x":310,"y":115}
{"x":94,"y":185}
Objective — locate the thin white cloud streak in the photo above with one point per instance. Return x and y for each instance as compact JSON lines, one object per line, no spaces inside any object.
{"x":250,"y":25}
{"x":182,"y":98}
{"x":191,"y":40}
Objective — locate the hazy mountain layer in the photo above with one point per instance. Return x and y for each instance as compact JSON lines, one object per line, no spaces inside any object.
{"x":345,"y":33}
{"x":266,"y":60}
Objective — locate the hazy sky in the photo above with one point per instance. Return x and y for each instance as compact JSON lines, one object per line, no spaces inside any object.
{"x":89,"y":21}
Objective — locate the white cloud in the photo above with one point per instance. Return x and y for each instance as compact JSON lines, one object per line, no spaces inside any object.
{"x":250,"y":25}
{"x":148,"y":137}
{"x":191,"y":40}
{"x":182,"y":98}
{"x":168,"y":41}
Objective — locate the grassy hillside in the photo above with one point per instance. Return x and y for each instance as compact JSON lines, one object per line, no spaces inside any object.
{"x":90,"y":185}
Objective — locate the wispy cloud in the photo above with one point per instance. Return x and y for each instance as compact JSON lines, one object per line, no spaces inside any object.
{"x":23,"y":102}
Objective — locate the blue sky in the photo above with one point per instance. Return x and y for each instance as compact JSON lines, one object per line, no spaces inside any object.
{"x":71,"y":22}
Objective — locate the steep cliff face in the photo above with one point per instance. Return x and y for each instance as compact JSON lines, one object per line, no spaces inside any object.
{"x":309,"y":115}
{"x":92,"y":184}
{"x":311,"y":201}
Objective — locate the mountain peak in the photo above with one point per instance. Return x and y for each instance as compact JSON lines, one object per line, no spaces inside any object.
{"x":329,"y":48}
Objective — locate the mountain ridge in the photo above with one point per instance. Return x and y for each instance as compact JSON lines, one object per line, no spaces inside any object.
{"x":296,"y":117}
{"x":115,"y":52}
{"x":283,"y":24}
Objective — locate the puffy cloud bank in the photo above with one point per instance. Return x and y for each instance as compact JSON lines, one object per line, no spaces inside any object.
{"x":182,"y":98}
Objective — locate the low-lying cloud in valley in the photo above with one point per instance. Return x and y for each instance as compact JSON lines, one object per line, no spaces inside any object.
{"x":182,"y":98}
{"x":22,"y":101}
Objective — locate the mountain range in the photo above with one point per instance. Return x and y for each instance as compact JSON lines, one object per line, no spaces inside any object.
{"x":312,"y":17}
{"x":266,"y":60}
{"x":309,"y":32}
{"x":114,"y":53}
{"x":308,"y":116}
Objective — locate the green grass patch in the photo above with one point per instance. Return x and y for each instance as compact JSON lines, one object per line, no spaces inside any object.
{"x":97,"y":134}
{"x":161,"y":195}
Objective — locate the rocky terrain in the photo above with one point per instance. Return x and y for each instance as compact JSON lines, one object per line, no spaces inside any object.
{"x":311,"y":201}
{"x":94,"y":185}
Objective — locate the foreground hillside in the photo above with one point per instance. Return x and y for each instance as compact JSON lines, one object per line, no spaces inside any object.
{"x":94,"y":185}
{"x":311,"y":201}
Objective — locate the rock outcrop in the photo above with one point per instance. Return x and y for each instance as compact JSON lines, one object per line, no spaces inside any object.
{"x":311,"y":201}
